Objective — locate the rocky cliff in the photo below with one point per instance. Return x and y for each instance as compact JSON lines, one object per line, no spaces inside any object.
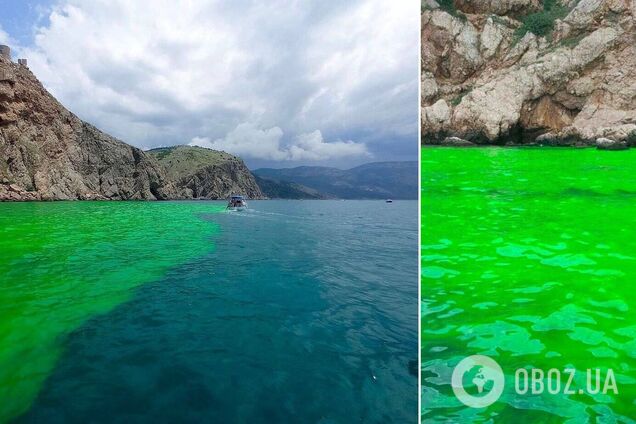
{"x":47,"y":153}
{"x":204,"y":173}
{"x":551,"y":72}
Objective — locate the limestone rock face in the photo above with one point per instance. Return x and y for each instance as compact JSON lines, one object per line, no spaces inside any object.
{"x":607,"y":144}
{"x":47,"y":153}
{"x":452,"y":47}
{"x":492,"y":37}
{"x":437,"y":116}
{"x":485,"y":82}
{"x":586,"y":14}
{"x":221,"y":181}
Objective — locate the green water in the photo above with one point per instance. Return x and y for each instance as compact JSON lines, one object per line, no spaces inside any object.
{"x":63,"y":263}
{"x":304,"y":312}
{"x":529,"y":257}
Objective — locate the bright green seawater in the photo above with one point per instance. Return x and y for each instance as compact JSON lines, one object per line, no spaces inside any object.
{"x":63,"y":263}
{"x":529,"y":257}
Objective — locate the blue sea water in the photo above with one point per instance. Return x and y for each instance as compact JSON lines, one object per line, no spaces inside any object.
{"x":303,"y":311}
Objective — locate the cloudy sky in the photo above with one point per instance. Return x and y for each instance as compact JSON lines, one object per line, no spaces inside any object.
{"x":279,"y":82}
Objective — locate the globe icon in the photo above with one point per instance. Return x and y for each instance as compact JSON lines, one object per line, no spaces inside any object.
{"x":477,"y":381}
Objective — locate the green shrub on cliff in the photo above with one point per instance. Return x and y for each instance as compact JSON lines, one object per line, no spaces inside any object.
{"x":541,"y":23}
{"x":448,"y":6}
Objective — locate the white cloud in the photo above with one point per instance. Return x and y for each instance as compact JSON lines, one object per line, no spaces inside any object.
{"x":249,"y":141}
{"x":160,"y":72}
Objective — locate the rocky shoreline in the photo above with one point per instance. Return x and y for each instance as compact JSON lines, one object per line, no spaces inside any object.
{"x":600,"y":143}
{"x":529,"y":72}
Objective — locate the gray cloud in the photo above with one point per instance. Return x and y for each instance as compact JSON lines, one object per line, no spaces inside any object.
{"x":318,"y":81}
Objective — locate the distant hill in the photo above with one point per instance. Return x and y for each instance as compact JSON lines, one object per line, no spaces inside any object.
{"x":275,"y":189}
{"x":206,"y":173}
{"x":379,"y":180}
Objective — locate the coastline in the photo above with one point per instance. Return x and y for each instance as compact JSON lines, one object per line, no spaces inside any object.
{"x":509,"y":146}
{"x":598,"y":144}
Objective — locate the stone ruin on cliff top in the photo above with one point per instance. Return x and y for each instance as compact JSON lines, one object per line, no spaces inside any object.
{"x":7,"y":74}
{"x":5,"y":51}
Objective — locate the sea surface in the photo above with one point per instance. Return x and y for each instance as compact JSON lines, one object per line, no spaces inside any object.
{"x":292,"y":311}
{"x":529,"y":257}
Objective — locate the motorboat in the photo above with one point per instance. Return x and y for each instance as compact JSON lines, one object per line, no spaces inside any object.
{"x":237,"y":203}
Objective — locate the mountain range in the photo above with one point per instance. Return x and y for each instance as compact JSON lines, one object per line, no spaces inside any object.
{"x":378,"y":180}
